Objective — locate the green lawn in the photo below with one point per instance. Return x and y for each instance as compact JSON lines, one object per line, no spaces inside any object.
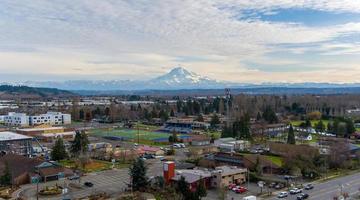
{"x":276,"y":160}
{"x":94,"y":165}
{"x":313,"y":122}
{"x":131,"y":134}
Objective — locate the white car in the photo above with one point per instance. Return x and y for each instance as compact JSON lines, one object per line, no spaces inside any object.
{"x":295,"y":191}
{"x":282,"y":195}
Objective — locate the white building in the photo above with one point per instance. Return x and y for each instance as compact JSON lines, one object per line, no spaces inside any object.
{"x":50,"y":118}
{"x":16,"y":119}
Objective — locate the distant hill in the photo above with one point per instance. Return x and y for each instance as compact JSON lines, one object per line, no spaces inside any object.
{"x":218,"y":92}
{"x":9,"y":92}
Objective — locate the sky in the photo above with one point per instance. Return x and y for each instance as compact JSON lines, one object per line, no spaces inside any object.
{"x":247,"y":41}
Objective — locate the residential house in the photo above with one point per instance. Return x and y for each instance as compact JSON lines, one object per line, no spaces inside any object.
{"x":25,"y":170}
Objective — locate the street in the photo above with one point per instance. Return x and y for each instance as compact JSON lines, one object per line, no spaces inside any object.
{"x":328,"y":190}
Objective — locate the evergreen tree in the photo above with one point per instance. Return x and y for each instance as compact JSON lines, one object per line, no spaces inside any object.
{"x":350,"y":127}
{"x":200,"y":118}
{"x":200,"y":190}
{"x":291,"y":136}
{"x":320,"y":126}
{"x":183,"y":188}
{"x":172,"y":114}
{"x":59,"y":151}
{"x":307,"y":123}
{"x":269,"y":115}
{"x":214,"y":120}
{"x":163,"y":115}
{"x":5,"y":179}
{"x":258,"y":116}
{"x":137,"y":172}
{"x":80,"y":143}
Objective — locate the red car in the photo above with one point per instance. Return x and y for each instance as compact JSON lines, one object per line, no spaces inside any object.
{"x":240,"y":190}
{"x":232,"y":186}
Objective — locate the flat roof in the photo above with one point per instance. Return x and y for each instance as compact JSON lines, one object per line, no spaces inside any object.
{"x":10,"y":136}
{"x":41,"y":129}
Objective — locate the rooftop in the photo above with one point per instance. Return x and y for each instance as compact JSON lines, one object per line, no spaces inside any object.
{"x":229,"y":170}
{"x":191,"y":175}
{"x":9,"y":136}
{"x":41,"y":129}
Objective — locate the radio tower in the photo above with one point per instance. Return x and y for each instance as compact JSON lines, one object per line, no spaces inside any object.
{"x":227,"y":96}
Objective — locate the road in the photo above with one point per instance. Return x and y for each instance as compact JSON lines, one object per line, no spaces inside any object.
{"x":328,"y":190}
{"x":111,"y":181}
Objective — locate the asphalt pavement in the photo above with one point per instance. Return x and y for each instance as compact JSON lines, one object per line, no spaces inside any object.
{"x":328,"y":190}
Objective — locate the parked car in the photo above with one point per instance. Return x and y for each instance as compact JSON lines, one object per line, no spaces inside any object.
{"x":240,"y":190}
{"x":163,"y":159}
{"x":309,"y":187}
{"x":74,"y":177}
{"x":149,"y":156}
{"x":272,"y":185}
{"x":282,"y":195}
{"x":231,"y":186}
{"x":295,"y":191}
{"x":88,"y":184}
{"x":279,"y":186}
{"x":302,"y":196}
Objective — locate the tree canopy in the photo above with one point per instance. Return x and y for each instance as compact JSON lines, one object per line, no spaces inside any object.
{"x":59,"y":151}
{"x":137,"y":172}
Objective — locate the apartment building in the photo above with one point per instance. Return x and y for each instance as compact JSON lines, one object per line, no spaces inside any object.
{"x":23,"y":120}
{"x":16,"y":119}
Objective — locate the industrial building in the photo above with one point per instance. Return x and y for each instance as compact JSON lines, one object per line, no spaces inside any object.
{"x":48,"y":134}
{"x":11,"y":142}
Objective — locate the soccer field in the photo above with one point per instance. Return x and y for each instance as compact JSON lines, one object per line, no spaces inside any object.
{"x":133,"y":134}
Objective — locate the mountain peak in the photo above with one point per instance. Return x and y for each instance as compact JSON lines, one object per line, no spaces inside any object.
{"x":180,"y":71}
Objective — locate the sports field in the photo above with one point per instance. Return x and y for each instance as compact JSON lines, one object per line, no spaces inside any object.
{"x":129,"y":134}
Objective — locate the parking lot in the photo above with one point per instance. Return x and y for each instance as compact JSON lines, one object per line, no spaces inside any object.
{"x":111,"y":181}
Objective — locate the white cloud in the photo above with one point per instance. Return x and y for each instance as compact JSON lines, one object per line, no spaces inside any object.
{"x":146,"y":37}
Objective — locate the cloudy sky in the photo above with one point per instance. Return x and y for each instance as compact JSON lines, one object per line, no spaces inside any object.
{"x":235,"y":40}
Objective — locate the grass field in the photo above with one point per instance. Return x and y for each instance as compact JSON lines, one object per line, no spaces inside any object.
{"x":130,"y":134}
{"x":94,"y":165}
{"x":313,"y":122}
{"x":276,"y":160}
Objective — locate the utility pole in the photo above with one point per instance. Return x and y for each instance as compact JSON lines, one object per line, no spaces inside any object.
{"x":138,"y":134}
{"x":227,"y":96}
{"x":248,"y":178}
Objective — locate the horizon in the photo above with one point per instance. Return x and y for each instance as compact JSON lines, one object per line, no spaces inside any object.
{"x":249,"y":42}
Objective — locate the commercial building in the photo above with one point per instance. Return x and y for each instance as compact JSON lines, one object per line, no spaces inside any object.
{"x":14,"y":143}
{"x":223,"y":176}
{"x":48,"y":134}
{"x":185,"y":126}
{"x":23,"y":120}
{"x":231,"y":144}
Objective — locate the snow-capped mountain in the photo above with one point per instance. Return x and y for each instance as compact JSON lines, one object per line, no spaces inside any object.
{"x":177,"y":78}
{"x":180,"y":78}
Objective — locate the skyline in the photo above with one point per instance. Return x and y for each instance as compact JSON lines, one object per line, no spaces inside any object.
{"x":237,"y":41}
